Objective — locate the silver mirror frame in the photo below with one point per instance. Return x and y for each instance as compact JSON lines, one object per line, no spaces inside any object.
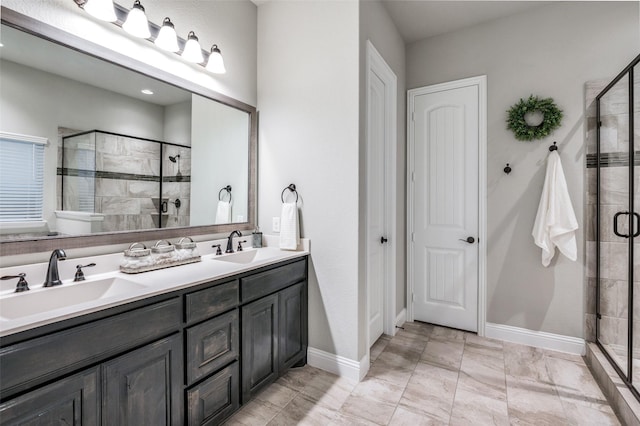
{"x":42,"y":30}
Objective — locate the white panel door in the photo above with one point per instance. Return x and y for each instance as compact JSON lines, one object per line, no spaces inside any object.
{"x":445,"y":264}
{"x":375,"y":205}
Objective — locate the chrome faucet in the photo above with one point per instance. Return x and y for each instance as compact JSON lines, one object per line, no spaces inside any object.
{"x":53,"y":278}
{"x":230,"y":241}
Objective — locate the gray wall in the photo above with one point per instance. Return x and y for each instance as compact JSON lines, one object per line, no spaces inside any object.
{"x":550,"y":51}
{"x":377,"y":26}
{"x":309,"y":111}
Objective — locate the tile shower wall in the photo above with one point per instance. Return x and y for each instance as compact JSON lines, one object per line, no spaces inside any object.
{"x":614,"y":147}
{"x":125,"y":181}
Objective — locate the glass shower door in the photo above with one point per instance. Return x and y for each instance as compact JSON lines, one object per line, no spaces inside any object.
{"x":635,"y":237}
{"x":613,"y":224}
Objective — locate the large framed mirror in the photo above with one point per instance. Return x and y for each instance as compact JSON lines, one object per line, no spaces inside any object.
{"x":121,"y":151}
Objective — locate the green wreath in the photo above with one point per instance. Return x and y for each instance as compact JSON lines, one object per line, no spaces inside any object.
{"x":551,"y":118}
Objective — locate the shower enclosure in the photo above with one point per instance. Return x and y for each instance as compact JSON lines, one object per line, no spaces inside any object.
{"x":133,"y":183}
{"x":617,"y":223}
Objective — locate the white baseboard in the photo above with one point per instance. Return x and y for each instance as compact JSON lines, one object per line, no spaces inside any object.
{"x":401,"y":318}
{"x":538,"y":339}
{"x":339,"y":365}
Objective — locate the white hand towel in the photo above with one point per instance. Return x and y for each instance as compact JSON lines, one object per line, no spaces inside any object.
{"x":223,"y":212}
{"x":289,"y":230}
{"x":556,"y":223}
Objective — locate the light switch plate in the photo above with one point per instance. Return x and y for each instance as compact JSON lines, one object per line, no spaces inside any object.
{"x":276,"y":224}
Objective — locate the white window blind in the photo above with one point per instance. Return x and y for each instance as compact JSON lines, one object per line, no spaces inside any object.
{"x":21,"y":178}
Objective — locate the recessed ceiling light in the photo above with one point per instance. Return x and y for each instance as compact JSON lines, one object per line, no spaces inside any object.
{"x":147,"y":92}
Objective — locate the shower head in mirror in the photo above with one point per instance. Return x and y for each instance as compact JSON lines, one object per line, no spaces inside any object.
{"x":174,"y":159}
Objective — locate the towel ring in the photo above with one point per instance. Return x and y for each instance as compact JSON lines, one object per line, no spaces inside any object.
{"x":226,"y":188}
{"x":292,"y":188}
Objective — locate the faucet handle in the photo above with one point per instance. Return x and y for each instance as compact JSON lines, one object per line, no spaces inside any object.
{"x":240,"y":245}
{"x":219,"y":250}
{"x":22,"y":283}
{"x":79,"y":274}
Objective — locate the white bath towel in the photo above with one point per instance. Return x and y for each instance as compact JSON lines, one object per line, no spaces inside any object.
{"x":556,"y":223}
{"x":223,"y":212}
{"x":289,"y":229}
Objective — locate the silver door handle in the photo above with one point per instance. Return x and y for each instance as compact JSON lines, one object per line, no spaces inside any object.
{"x":469,"y":240}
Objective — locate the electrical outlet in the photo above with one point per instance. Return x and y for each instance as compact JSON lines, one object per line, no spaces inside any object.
{"x":276,"y":224}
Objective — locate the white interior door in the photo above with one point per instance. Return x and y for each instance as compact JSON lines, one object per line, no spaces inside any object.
{"x":380,"y":216}
{"x":445,"y":207}
{"x":375,"y":205}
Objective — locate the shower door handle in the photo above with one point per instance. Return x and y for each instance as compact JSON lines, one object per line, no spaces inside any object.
{"x":615,"y":224}
{"x":637,"y":228}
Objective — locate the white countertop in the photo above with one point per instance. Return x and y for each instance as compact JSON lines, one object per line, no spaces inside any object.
{"x":143,"y":285}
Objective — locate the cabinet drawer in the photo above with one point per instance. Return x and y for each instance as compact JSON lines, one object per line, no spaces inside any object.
{"x":263,"y":283}
{"x":211,"y":345}
{"x":35,"y":361}
{"x":209,"y":302}
{"x":214,"y":399}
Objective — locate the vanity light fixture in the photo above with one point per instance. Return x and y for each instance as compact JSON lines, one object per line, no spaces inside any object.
{"x":216,"y":63}
{"x":137,"y":24}
{"x":167,"y":38}
{"x":192,"y":50}
{"x":101,"y":9}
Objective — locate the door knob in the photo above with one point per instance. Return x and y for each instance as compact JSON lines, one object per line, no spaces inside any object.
{"x":383,"y":240}
{"x":469,"y":240}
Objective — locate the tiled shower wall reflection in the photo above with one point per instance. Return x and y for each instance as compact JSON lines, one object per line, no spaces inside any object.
{"x":614,"y":184}
{"x":119,"y":176}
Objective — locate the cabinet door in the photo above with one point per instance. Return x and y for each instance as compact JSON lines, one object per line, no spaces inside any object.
{"x":70,"y":401}
{"x":144,"y":387}
{"x":293,"y":325}
{"x":259,"y":345}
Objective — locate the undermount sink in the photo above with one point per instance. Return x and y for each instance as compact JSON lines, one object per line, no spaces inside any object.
{"x":41,"y":300}
{"x":249,"y":256}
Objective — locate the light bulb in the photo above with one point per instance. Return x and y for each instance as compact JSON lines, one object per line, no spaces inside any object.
{"x":192,"y":50}
{"x":137,"y":24}
{"x":216,"y":63}
{"x":167,"y":37}
{"x":101,"y":9}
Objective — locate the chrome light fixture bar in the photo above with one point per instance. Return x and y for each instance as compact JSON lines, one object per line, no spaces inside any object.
{"x":156,"y":33}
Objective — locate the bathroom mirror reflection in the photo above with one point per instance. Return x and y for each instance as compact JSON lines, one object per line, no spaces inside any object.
{"x":125,"y":152}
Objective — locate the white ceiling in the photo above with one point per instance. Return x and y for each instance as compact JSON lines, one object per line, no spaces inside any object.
{"x":420,"y":19}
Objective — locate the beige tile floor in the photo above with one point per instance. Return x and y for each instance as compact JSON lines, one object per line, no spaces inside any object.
{"x":430,"y":375}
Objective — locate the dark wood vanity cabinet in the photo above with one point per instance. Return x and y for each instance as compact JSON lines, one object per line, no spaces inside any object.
{"x":176,"y":359}
{"x":274,"y":327}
